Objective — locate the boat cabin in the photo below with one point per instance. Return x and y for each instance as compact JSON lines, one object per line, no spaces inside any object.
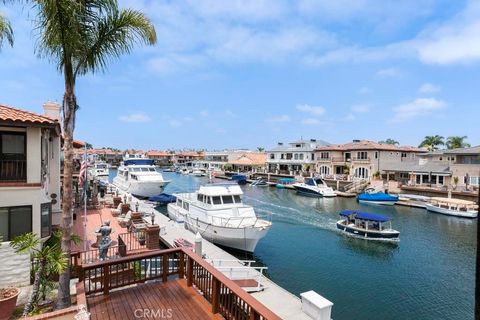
{"x":314,"y":181}
{"x":367,"y":221}
{"x":453,"y":204}
{"x":214,"y":195}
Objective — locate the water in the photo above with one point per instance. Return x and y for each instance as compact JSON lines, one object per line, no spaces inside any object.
{"x":428,"y":275}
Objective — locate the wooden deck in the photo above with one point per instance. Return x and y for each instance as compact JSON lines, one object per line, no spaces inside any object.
{"x":169,"y":300}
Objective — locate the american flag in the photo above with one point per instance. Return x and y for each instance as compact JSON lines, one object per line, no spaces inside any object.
{"x":82,"y":176}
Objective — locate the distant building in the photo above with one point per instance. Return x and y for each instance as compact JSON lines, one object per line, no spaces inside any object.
{"x":30,"y":148}
{"x":187,"y":157}
{"x":294,"y":157}
{"x":442,"y":169}
{"x":221,"y":160}
{"x":363,"y":158}
{"x":249,"y":162}
{"x":161,"y":158}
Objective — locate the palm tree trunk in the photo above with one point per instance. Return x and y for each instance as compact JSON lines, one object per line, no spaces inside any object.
{"x":69,"y":109}
{"x":35,"y":289}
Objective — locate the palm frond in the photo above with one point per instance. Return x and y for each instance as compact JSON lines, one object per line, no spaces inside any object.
{"x":116,"y":34}
{"x":25,"y":243}
{"x":6,"y":31}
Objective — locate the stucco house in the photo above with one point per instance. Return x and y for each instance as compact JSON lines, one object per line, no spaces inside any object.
{"x":30,"y":147}
{"x":294,"y":157}
{"x":363,"y":158}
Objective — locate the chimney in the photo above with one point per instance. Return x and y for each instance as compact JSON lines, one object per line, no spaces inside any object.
{"x":52,"y":110}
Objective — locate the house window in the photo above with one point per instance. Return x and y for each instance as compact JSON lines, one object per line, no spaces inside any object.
{"x":418,"y":179}
{"x":13,"y":164}
{"x":15,"y":221}
{"x":298,"y":145}
{"x":324,"y":155}
{"x":313,"y":156}
{"x":376,"y":154}
{"x":474,"y":181}
{"x":362,"y":155}
{"x":324,"y":170}
{"x":296,"y":156}
{"x":282,"y":156}
{"x":440,"y":180}
{"x":301,"y":156}
{"x":404,"y":154}
{"x":46,"y":219}
{"x":289,"y":156}
{"x":272,"y":156}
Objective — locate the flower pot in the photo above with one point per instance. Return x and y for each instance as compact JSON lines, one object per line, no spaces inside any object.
{"x":8,"y":301}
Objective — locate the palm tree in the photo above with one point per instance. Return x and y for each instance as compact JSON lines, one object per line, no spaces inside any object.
{"x":390,"y":141}
{"x":260,"y":149}
{"x":50,"y":260}
{"x":6,"y":32}
{"x":432,"y":142}
{"x":455,"y":142}
{"x":82,"y":37}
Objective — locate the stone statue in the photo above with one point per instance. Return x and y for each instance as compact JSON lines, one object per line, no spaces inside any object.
{"x":105,"y":231}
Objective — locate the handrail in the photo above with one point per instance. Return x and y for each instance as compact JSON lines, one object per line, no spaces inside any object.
{"x":225,"y":296}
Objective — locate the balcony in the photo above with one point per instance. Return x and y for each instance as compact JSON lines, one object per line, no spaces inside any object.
{"x":324,"y":160}
{"x":339,"y":159}
{"x":13,"y":170}
{"x":173,"y":282}
{"x":363,"y":160}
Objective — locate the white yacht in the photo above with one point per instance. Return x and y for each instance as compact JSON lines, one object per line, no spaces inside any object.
{"x":314,"y":187}
{"x":99,"y":170}
{"x":137,"y":175}
{"x":217,"y":212}
{"x":197,"y":172}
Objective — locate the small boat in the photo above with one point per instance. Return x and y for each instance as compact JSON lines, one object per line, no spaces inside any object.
{"x":453,"y":207}
{"x":239,"y":178}
{"x":282,"y":183}
{"x":377,"y":198}
{"x":99,"y":171}
{"x":167,"y":170}
{"x":163,"y":198}
{"x":367,"y":225}
{"x":198,"y":172}
{"x":314,"y":187}
{"x":260,"y":182}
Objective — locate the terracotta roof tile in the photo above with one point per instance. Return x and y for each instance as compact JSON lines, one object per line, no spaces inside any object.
{"x":16,"y":115}
{"x":368,"y":145}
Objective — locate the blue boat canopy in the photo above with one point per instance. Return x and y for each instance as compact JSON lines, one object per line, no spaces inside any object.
{"x":138,"y":162}
{"x":364,"y":216}
{"x":379,"y":196}
{"x":163,"y":198}
{"x":286,"y":180}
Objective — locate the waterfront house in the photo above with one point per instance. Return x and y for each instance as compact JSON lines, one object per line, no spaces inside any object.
{"x":224,"y":160}
{"x":294,"y":157}
{"x":187,"y":157}
{"x":249,"y":162}
{"x":30,"y":148}
{"x":161,"y":158}
{"x":362,"y":159}
{"x":444,"y":169}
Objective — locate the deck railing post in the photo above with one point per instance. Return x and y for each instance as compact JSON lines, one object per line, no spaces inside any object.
{"x":254,"y":315}
{"x":189,"y":271}
{"x":164,"y":267}
{"x":181,"y":267}
{"x":106,"y":279}
{"x":215,"y":295}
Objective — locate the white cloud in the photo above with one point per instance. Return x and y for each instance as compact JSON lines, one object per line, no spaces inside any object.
{"x":280,"y":118}
{"x":455,"y":41}
{"x":174,"y":123}
{"x":428,"y":87}
{"x":349,"y":117}
{"x":135,"y":117}
{"x":317,"y":111}
{"x":310,"y":121}
{"x":360,"y":108}
{"x":389,"y":72}
{"x":417,"y":108}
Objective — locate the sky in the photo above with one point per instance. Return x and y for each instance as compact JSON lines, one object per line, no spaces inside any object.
{"x":251,"y":73}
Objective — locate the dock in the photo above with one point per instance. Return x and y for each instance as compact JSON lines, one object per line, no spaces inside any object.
{"x":285,"y":304}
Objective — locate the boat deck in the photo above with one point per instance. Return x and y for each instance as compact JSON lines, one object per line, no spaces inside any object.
{"x":169,"y":300}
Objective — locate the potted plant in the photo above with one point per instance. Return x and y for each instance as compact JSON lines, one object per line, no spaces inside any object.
{"x":8,"y":301}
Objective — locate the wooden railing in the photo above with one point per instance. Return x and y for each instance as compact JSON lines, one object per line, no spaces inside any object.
{"x":225,"y":296}
{"x":132,"y":241}
{"x":13,"y":170}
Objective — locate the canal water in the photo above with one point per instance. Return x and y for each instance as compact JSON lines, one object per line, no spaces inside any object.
{"x":429,"y":274}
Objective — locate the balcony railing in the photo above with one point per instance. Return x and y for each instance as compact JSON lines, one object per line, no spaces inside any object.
{"x":13,"y":170}
{"x":361,"y":159}
{"x":225,"y":296}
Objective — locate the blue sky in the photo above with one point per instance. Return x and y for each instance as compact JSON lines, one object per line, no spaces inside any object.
{"x":249,"y":73}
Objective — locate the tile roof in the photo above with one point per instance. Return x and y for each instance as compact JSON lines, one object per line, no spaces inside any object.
{"x":250,"y":159}
{"x":430,"y":166}
{"x":158,"y":153}
{"x":369,"y":145}
{"x":17,"y":115}
{"x":471,"y":151}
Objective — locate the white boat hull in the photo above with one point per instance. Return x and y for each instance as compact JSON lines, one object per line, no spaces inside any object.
{"x":450,"y":212}
{"x":383,"y":203}
{"x":143,"y":189}
{"x":244,"y":239}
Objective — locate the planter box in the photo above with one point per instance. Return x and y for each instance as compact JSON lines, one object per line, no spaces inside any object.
{"x":7,"y":305}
